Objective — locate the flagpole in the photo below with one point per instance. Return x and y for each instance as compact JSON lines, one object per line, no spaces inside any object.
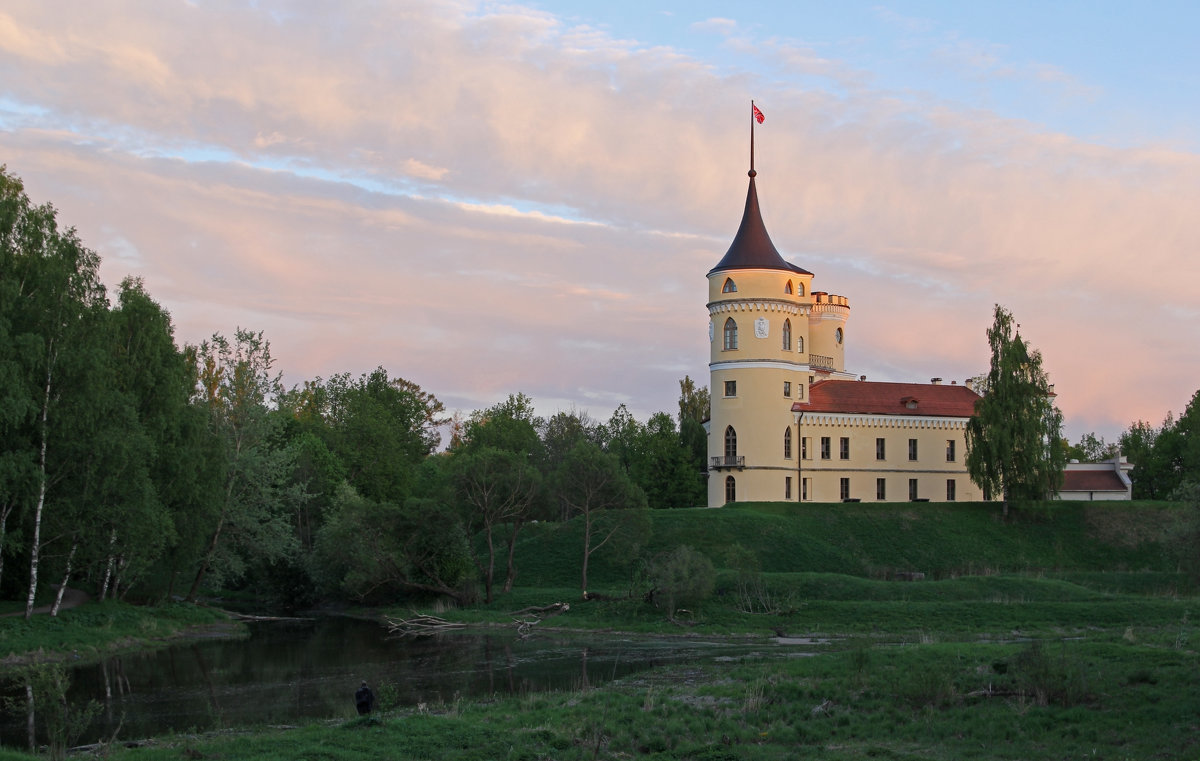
{"x":752,"y":172}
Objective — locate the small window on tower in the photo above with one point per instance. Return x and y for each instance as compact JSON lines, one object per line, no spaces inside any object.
{"x":800,"y":344}
{"x":800,"y":289}
{"x":731,"y":388}
{"x":788,"y":288}
{"x":729,"y":287}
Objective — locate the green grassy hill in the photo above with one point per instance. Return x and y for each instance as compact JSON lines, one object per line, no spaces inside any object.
{"x":948,"y":540}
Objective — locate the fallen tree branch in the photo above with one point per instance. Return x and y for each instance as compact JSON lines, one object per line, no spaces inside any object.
{"x":421,"y":625}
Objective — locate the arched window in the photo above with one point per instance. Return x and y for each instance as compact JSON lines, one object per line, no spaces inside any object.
{"x":787,"y":443}
{"x":800,"y":344}
{"x":730,"y":334}
{"x":729,"y":287}
{"x":730,"y":489}
{"x":800,"y":289}
{"x":787,"y":335}
{"x":730,"y":442}
{"x":788,"y":288}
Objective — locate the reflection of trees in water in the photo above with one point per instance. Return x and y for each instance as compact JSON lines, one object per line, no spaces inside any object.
{"x":291,"y":673}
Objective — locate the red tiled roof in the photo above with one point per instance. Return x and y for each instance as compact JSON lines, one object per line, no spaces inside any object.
{"x":1092,"y":480}
{"x":913,"y":399}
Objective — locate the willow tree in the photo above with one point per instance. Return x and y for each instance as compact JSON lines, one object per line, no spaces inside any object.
{"x":1013,"y":438}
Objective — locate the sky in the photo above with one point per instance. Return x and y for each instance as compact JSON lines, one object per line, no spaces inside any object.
{"x":491,"y":198}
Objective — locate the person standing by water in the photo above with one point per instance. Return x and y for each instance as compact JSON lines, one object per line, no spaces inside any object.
{"x":364,"y":699}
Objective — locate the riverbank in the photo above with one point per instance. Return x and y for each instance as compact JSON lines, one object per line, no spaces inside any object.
{"x":97,"y":629}
{"x":1106,"y":696}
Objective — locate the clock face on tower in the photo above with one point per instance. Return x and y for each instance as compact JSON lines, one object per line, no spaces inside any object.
{"x":761,"y":327}
{"x":837,"y":335}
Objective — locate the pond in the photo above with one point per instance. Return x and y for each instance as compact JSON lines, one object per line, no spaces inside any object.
{"x":288,"y":672}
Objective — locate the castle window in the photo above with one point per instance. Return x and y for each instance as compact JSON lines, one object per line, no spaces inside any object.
{"x":881,"y":489}
{"x":912,"y":449}
{"x":787,"y":487}
{"x":803,"y":489}
{"x":912,"y":490}
{"x":730,"y":489}
{"x":788,"y":288}
{"x":803,"y":447}
{"x":730,"y":443}
{"x":950,"y":490}
{"x":787,"y":335}
{"x":949,"y":450}
{"x":800,"y":391}
{"x":845,"y":489}
{"x":730,"y":335}
{"x":787,"y":389}
{"x":731,"y":388}
{"x":800,"y":289}
{"x":729,"y":287}
{"x":880,"y":449}
{"x":787,"y":444}
{"x":844,"y":450}
{"x":800,"y":344}
{"x":824,"y":447}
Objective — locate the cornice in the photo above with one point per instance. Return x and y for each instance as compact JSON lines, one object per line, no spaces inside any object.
{"x":868,"y":420}
{"x":758,"y":305}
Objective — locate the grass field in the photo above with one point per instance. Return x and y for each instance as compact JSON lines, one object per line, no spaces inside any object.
{"x":1064,"y":633}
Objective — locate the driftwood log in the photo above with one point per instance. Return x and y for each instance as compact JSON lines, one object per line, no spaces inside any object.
{"x":535,"y":616}
{"x":421,"y":625}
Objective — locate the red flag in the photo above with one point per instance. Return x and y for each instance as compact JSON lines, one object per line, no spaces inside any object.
{"x":758,"y":115}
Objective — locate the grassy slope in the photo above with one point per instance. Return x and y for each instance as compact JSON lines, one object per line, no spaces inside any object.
{"x":939,"y":540}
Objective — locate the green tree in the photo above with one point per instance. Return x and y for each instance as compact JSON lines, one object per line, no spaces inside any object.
{"x":593,"y":486}
{"x":681,"y":577}
{"x":1151,"y":477}
{"x":1091,"y":448}
{"x":237,"y":385}
{"x":375,"y":551}
{"x":496,"y":488}
{"x":51,"y":299}
{"x":1013,"y":437}
{"x":381,"y":429}
{"x":661,"y":467}
{"x":693,"y":412}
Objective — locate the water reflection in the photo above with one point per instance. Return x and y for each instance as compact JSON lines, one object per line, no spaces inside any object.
{"x":288,"y":672}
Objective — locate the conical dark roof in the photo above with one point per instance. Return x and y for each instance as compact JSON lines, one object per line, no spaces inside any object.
{"x":752,"y":247}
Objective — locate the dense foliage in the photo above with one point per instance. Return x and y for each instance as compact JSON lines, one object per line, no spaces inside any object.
{"x":1013,"y":438}
{"x":135,"y":467}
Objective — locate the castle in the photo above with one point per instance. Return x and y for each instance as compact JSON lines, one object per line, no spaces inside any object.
{"x":787,"y":422}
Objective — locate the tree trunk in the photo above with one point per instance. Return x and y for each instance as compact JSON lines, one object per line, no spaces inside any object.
{"x":30,"y":716}
{"x":41,"y":500}
{"x":62,"y":588}
{"x":490,"y":574}
{"x":4,"y":513}
{"x":511,"y":575}
{"x":587,"y":551}
{"x":108,"y":567}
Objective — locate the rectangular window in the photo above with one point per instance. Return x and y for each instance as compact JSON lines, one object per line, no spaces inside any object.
{"x":844,"y":448}
{"x":950,"y":490}
{"x":880,"y":449}
{"x":950,"y":450}
{"x":800,"y":391}
{"x":845,"y":489}
{"x":912,"y":449}
{"x":803,"y":489}
{"x":804,"y":448}
{"x":787,"y":444}
{"x":880,"y":489}
{"x":787,"y":389}
{"x":824,"y":447}
{"x":731,"y":388}
{"x":787,"y":487}
{"x":912,"y":490}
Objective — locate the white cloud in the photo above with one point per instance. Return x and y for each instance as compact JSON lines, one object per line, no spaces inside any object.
{"x":924,"y":214}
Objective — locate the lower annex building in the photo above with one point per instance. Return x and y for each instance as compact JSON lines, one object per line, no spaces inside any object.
{"x":787,"y":422}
